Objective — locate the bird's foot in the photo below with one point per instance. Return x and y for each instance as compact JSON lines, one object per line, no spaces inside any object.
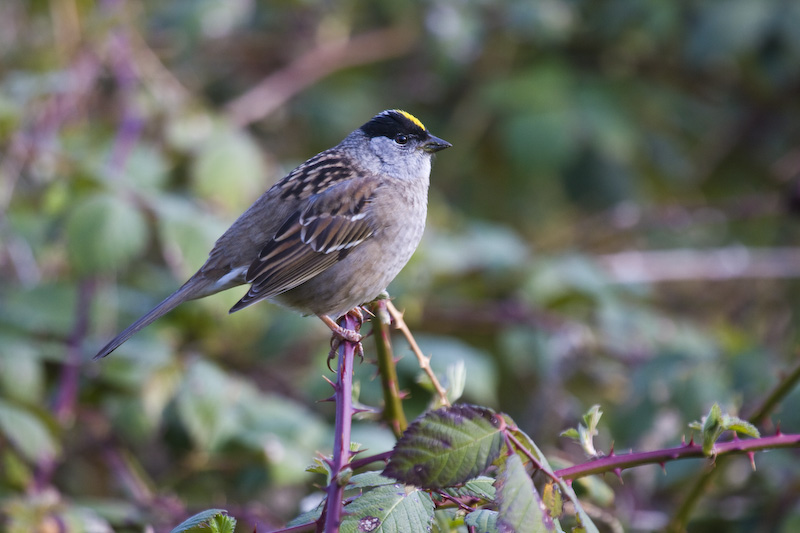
{"x":343,"y":334}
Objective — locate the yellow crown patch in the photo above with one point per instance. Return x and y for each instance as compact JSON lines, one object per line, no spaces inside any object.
{"x":412,"y":118}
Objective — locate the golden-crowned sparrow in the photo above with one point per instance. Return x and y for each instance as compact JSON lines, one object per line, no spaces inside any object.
{"x":329,"y":236}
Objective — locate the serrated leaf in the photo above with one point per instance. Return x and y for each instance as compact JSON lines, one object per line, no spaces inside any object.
{"x":567,"y":491}
{"x":446,"y":447}
{"x":481,"y":488}
{"x":389,"y":509}
{"x":27,"y":434}
{"x":733,"y":423}
{"x":483,"y":520}
{"x":208,"y":521}
{"x":103,"y":233}
{"x":520,"y":509}
{"x":369,"y":479}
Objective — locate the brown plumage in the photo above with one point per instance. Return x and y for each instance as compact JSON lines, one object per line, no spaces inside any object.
{"x":329,"y":236}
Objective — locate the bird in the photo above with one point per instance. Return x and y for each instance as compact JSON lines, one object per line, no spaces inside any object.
{"x":329,"y":236}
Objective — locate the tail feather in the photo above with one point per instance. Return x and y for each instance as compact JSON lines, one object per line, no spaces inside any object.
{"x":194,"y":288}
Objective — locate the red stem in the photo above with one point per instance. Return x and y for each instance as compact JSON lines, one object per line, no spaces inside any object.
{"x":620,"y":462}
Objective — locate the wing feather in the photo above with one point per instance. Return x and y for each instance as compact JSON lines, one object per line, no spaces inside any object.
{"x":311,"y":240}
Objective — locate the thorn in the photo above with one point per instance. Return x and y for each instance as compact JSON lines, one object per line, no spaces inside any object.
{"x":778,"y":431}
{"x":356,"y":452}
{"x":691,"y":442}
{"x":331,"y":383}
{"x":611,"y":451}
{"x":404,"y":394}
{"x":663,"y":467}
{"x":356,"y":410}
{"x":328,"y":399}
{"x":735,"y":436}
{"x":752,"y":457}
{"x":618,"y":473}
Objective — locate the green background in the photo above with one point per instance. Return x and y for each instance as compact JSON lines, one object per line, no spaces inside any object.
{"x":615,"y":224}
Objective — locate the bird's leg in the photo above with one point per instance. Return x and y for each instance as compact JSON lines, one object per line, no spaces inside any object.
{"x":343,"y":334}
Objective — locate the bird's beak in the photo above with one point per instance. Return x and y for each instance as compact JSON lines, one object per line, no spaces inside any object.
{"x":434,"y":144}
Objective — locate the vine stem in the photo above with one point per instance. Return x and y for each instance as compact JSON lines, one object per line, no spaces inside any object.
{"x":424,"y":360}
{"x":343,"y":395}
{"x":692,"y":496}
{"x":617,"y":463}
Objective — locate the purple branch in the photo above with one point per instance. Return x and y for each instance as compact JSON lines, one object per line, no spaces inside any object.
{"x":617,"y":463}
{"x":341,"y":443}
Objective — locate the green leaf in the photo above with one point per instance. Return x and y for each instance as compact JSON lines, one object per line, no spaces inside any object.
{"x":714,"y":424}
{"x":446,"y":447}
{"x":389,"y":509}
{"x":27,"y":433}
{"x":552,"y":499}
{"x":571,"y":433}
{"x":369,"y":479}
{"x":520,"y":509}
{"x":207,"y":405}
{"x":208,"y":521}
{"x":483,"y":520}
{"x":482,"y":488}
{"x":104,"y":233}
{"x":312,"y":515}
{"x":584,"y":434}
{"x":566,"y":489}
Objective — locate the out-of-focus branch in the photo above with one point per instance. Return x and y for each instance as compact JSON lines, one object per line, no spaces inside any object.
{"x":392,"y":405}
{"x":733,"y":262}
{"x":326,"y":58}
{"x":424,"y":361}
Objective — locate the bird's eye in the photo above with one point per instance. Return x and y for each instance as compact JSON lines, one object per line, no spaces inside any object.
{"x":401,"y":139}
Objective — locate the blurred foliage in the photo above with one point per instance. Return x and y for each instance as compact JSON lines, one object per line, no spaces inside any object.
{"x":580,"y":130}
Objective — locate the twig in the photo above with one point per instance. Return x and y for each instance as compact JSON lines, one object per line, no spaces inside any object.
{"x":392,"y":405}
{"x":424,"y":361}
{"x":692,"y":496}
{"x":786,"y":385}
{"x":343,"y":394}
{"x":66,"y":397}
{"x":326,"y":58}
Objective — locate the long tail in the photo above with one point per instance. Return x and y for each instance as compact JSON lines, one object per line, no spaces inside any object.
{"x":194,"y":288}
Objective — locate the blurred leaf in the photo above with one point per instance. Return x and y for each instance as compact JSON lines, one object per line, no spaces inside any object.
{"x":480,"y":385}
{"x":146,"y":168}
{"x":483,"y":520}
{"x":104,"y":233}
{"x":229,"y":170}
{"x":187,"y":233}
{"x":21,"y":371}
{"x":28,"y":434}
{"x":207,"y":405}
